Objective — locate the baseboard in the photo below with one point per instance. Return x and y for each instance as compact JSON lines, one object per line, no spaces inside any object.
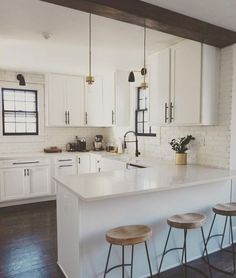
{"x":27,"y":201}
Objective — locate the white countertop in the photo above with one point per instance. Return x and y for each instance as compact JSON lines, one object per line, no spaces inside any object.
{"x":161,"y":176}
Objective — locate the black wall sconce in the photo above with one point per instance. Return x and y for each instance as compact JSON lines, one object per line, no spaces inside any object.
{"x":21,"y":79}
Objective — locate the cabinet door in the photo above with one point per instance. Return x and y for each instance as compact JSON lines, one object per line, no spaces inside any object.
{"x":39,"y":181}
{"x":94,"y":103}
{"x":56,"y":101}
{"x":186,"y":82}
{"x":122,"y":98}
{"x":13,"y":184}
{"x":83,"y":164}
{"x":159,"y":87}
{"x":95,"y":161}
{"x":109,"y":100}
{"x":74,"y":89}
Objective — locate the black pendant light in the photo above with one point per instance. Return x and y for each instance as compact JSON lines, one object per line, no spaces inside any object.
{"x":131,"y":77}
{"x":90,"y":79}
{"x":143,"y":71}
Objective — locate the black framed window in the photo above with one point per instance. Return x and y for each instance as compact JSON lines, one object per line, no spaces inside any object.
{"x":142,"y":127}
{"x":19,"y":112}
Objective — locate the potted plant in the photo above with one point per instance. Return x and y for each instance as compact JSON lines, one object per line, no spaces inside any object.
{"x":180,"y":147}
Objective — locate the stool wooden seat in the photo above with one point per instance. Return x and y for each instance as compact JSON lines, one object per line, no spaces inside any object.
{"x":228,"y":209}
{"x":187,"y":220}
{"x":129,"y":235}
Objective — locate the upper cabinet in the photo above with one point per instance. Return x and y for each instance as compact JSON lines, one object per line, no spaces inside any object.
{"x":122,"y":98}
{"x":65,"y":100}
{"x":94,"y":103}
{"x":184,"y":85}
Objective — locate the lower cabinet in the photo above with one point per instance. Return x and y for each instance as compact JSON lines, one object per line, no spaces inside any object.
{"x":112,"y":165}
{"x":83,"y":164}
{"x":13,"y":184}
{"x":39,"y":181}
{"x":22,"y":183}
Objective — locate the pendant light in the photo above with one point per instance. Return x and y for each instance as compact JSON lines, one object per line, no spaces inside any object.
{"x":144,"y":84}
{"x":143,"y":71}
{"x":89,"y":78}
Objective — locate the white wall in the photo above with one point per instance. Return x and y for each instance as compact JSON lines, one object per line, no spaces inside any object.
{"x":49,"y":136}
{"x":212,"y":145}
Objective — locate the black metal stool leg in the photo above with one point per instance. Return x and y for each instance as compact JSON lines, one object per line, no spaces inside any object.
{"x":209,"y":234}
{"x":148,"y":258}
{"x":123,"y":261}
{"x":132,"y":261}
{"x":164,"y":252}
{"x":184,"y":254}
{"x":108,"y":257}
{"x":232,"y":243}
{"x":223,"y":236}
{"x":207,"y":257}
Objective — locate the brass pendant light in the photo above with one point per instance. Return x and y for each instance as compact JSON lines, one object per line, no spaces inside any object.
{"x":144,"y":84}
{"x":89,"y":78}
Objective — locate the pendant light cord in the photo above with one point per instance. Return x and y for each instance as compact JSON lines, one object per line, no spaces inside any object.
{"x":90,"y":44}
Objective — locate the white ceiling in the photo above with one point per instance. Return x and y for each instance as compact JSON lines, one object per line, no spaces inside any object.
{"x":218,"y":12}
{"x":23,"y":47}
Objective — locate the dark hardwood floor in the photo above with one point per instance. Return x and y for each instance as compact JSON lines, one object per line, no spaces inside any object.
{"x":28,"y":245}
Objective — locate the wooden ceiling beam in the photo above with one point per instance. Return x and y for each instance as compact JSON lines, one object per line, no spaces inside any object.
{"x":154,"y":17}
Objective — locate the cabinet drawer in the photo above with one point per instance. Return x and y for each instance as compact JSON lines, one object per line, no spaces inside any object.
{"x":24,"y":162}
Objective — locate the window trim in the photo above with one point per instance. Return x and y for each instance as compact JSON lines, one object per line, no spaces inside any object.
{"x":36,"y":112}
{"x":137,"y":110}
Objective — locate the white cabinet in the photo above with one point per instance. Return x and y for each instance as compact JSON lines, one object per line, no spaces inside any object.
{"x":39,"y":181}
{"x":122,"y":98}
{"x":94,"y":103}
{"x":83,"y":164}
{"x":95,"y":163}
{"x":185,"y":105}
{"x":22,"y":180}
{"x":159,"y":86}
{"x":184,"y":85}
{"x":65,"y":165}
{"x":108,"y":100}
{"x":65,"y":100}
{"x":13,"y":184}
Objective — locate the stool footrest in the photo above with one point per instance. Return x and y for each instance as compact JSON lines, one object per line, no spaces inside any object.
{"x":116,"y":266}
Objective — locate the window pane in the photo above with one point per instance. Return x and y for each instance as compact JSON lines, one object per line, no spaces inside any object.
{"x":31,"y":118}
{"x":10,"y":117}
{"x":142,"y":104}
{"x":30,"y":106}
{"x":30,"y":96}
{"x":9,"y":105}
{"x":146,"y":116}
{"x":20,"y":106}
{"x":140,"y":128}
{"x":10,"y":128}
{"x":9,"y":95}
{"x":20,"y":118}
{"x":140,"y":117}
{"x":31,"y":128}
{"x":20,"y":128}
{"x":20,"y":96}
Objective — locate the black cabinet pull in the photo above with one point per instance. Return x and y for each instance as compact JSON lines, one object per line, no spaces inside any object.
{"x":112,"y":117}
{"x":62,"y":166}
{"x":166,"y":113}
{"x":86,"y":118}
{"x":171,"y":112}
{"x":28,"y":172}
{"x":26,"y":162}
{"x":68,"y":113}
{"x":79,"y":160}
{"x":24,"y":172}
{"x":66,"y":117}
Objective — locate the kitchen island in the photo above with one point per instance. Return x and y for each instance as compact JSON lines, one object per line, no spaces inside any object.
{"x":90,"y":204}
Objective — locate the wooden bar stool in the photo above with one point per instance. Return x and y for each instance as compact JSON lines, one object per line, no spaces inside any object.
{"x":185,"y":222}
{"x":128,"y":236}
{"x":227,"y":210}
